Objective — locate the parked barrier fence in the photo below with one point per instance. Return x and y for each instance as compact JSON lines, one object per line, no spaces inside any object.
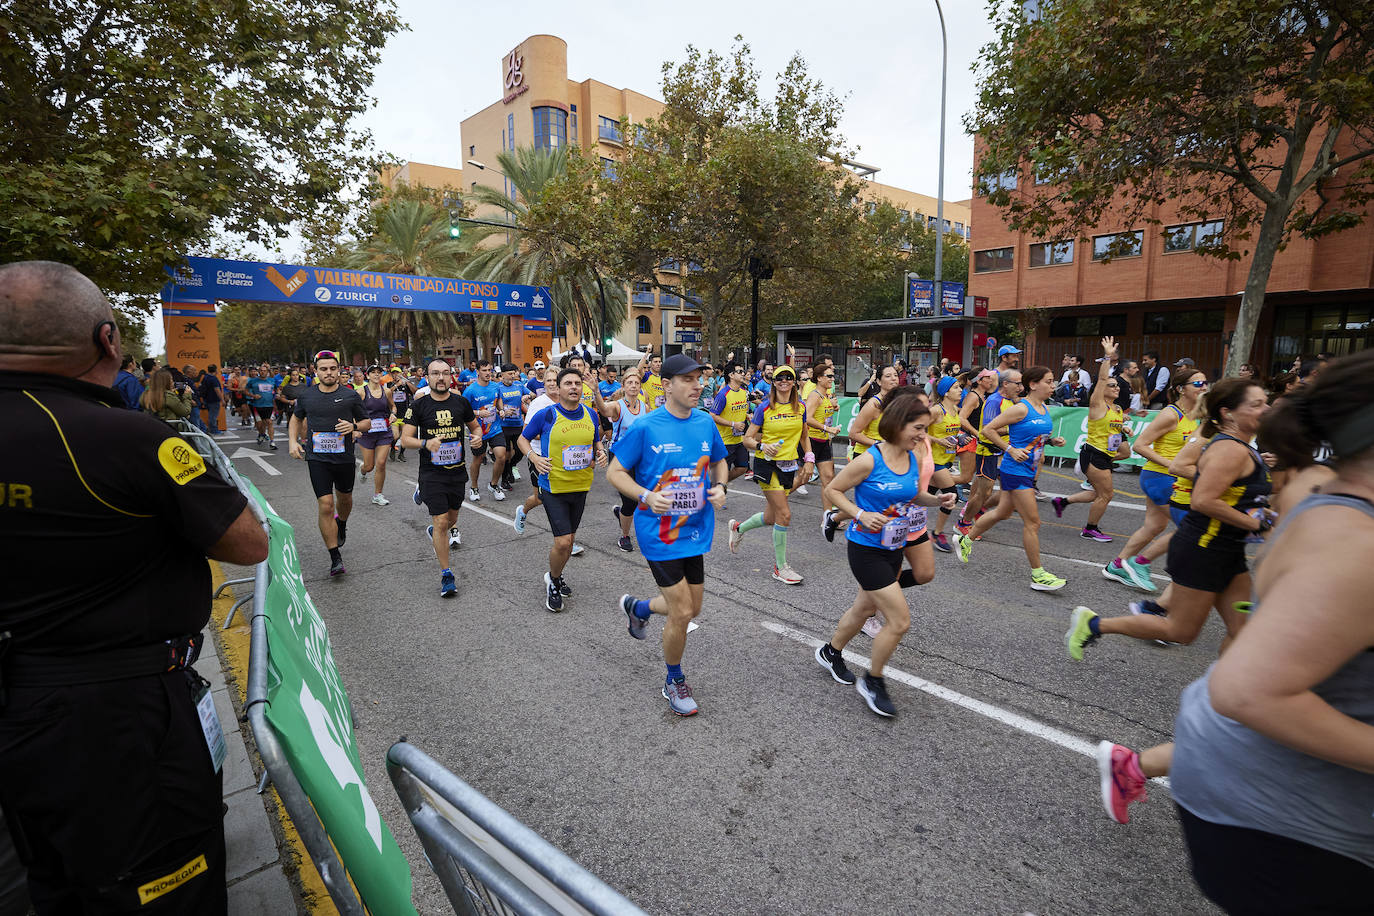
{"x":489,"y":863}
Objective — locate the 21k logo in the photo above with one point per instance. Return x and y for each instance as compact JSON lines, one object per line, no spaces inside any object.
{"x":286,"y":285}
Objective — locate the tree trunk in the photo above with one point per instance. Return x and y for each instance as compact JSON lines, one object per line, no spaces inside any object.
{"x":413,"y":330}
{"x":1252,"y":303}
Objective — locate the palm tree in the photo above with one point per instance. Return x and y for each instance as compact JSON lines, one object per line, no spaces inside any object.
{"x":412,"y":238}
{"x":538,"y":258}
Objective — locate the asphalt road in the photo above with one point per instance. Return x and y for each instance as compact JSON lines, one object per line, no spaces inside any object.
{"x":785,"y":794}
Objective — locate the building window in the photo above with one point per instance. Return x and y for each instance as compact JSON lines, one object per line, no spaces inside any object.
{"x":1196,"y":321}
{"x":1006,"y":181}
{"x":930,"y":222}
{"x":1047,"y":254}
{"x":903,"y":216}
{"x":1088,"y":326}
{"x":643,"y":294}
{"x":608,"y":168}
{"x":1193,"y":235}
{"x":572,"y":126}
{"x":671,"y":266}
{"x":510,"y":130}
{"x":992,"y":259}
{"x":550,"y":127}
{"x":642,"y":325}
{"x":1118,"y":245}
{"x":958,"y":228}
{"x":666,"y":299}
{"x":609,"y":129}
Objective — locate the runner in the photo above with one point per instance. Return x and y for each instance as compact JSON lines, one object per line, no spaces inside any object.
{"x":1230,"y":502}
{"x":261,"y":394}
{"x":623,"y":413}
{"x":821,"y":405}
{"x":889,"y":483}
{"x":547,"y":397}
{"x":731,"y":413}
{"x":512,"y":399}
{"x":944,"y":433}
{"x":664,"y":463}
{"x":1158,"y":444}
{"x":983,"y":496}
{"x":1029,"y":429}
{"x":333,"y":416}
{"x":777,"y":434}
{"x":863,"y":433}
{"x":375,"y":444}
{"x":569,"y":436}
{"x":1106,"y":444}
{"x":651,"y":383}
{"x":482,"y":394}
{"x":402,"y":393}
{"x":434,"y":424}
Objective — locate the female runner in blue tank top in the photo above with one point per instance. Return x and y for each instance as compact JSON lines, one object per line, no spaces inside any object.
{"x":1029,"y":429}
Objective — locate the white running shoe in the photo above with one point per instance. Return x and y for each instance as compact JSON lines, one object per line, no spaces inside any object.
{"x":519,"y":522}
{"x":515,"y":473}
{"x":873,"y":624}
{"x":787,"y":575}
{"x":1085,"y":486}
{"x":474,"y":494}
{"x":454,"y":538}
{"x":735,"y":536}
{"x":380,"y":500}
{"x":577,"y":550}
{"x":802,"y":491}
{"x":497,"y":493}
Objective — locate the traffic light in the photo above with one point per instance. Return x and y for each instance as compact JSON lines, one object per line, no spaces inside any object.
{"x":455,"y":227}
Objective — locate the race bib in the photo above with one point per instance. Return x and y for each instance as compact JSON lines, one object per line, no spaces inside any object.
{"x":659,"y":400}
{"x":894,"y":532}
{"x":327,"y":443}
{"x":577,"y":457}
{"x":449,"y":453}
{"x":786,"y":465}
{"x":688,"y":494}
{"x":1114,"y":442}
{"x":378,"y":425}
{"x":399,"y":397}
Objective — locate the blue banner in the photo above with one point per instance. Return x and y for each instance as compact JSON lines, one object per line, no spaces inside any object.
{"x":206,"y":280}
{"x":953,"y":294}
{"x":920,"y":298}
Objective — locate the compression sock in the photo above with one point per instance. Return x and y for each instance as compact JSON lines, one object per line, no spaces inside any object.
{"x":1095,"y":625}
{"x":907,"y":579}
{"x":675,"y":673}
{"x":752,"y":522}
{"x":334,"y":555}
{"x":780,"y":545}
{"x":343,"y":525}
{"x":642,"y":609}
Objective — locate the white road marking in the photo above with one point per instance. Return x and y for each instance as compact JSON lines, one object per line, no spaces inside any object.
{"x":258,"y":458}
{"x":996,"y":713}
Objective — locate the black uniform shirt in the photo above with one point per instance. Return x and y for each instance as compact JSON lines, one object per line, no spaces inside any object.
{"x":106,"y":515}
{"x":447,"y":421}
{"x":322,"y":411}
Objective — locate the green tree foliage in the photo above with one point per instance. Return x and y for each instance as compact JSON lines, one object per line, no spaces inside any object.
{"x":250,"y":332}
{"x":136,"y":131}
{"x":1256,"y":112}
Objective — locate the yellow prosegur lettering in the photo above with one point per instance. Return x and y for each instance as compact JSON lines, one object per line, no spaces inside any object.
{"x":181,"y":462}
{"x":12,"y":494}
{"x":155,"y":889}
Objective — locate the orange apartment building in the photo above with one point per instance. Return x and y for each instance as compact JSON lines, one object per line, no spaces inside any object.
{"x":1167,"y":297}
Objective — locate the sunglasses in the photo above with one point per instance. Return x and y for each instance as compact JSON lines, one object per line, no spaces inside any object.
{"x":326,"y":354}
{"x":784,"y":378}
{"x":827,"y":375}
{"x":1199,"y":384}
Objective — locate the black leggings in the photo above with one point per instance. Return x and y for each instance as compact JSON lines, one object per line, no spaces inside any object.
{"x":1246,"y":871}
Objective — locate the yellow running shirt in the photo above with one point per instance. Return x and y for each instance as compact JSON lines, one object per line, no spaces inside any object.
{"x":732,"y":406}
{"x":1168,"y":444}
{"x":1105,"y":434}
{"x":946,"y":427}
{"x":781,"y":423}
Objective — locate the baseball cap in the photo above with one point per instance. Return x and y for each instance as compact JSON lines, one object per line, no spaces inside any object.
{"x":678,"y":364}
{"x":943,"y":385}
{"x":1007,"y":349}
{"x":1185,"y":361}
{"x":987,"y":373}
{"x":785,"y":370}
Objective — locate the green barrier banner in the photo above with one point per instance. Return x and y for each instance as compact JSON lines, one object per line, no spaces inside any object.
{"x":310,"y":712}
{"x":1069,"y":422}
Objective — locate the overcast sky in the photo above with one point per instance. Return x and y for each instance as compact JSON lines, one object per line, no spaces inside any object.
{"x":883,"y":58}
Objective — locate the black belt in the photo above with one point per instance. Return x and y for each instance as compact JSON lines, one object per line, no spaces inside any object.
{"x":22,"y":669}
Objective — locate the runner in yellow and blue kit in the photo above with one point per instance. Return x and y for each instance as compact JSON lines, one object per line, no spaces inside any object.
{"x":985,"y":475}
{"x":731,"y":413}
{"x":1029,"y":429}
{"x":1107,"y":443}
{"x":569,"y":438}
{"x":672,"y":464}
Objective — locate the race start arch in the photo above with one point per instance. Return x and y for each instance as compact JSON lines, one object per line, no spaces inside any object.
{"x":188,"y":300}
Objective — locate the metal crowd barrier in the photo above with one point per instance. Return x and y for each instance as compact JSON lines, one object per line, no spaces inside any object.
{"x":489,"y":863}
{"x":277,"y":767}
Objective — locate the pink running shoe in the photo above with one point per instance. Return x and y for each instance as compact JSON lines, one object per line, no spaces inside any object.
{"x":1123,"y":782}
{"x":1096,"y":534}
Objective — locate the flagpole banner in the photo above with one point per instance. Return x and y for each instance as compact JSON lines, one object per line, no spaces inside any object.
{"x":530,"y":340}
{"x":192,"y":334}
{"x":205,"y":280}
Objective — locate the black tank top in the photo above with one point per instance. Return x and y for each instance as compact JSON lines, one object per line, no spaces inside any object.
{"x":1245,"y":493}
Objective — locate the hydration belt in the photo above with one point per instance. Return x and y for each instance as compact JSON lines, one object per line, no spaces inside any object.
{"x":21,"y":669}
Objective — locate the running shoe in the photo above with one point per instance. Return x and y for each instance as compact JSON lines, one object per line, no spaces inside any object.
{"x":564,"y":588}
{"x":874,"y":692}
{"x":1095,"y":534}
{"x":829,"y":524}
{"x":1147,"y":606}
{"x":507,"y":483}
{"x":553,"y":599}
{"x":474,"y":495}
{"x":380,"y":500}
{"x":1059,"y":503}
{"x":1040,"y":497}
{"x":514,"y":473}
{"x":1046,"y":581}
{"x":625,"y":544}
{"x":802,"y":491}
{"x":637,"y":626}
{"x":964,"y":543}
{"x":1085,"y":486}
{"x":833,"y":662}
{"x":519,"y":522}
{"x":416,"y":496}
{"x":362,"y":476}
{"x":1079,"y":634}
{"x":577,"y":550}
{"x":454,"y":538}
{"x":941,"y":543}
{"x":448,"y":588}
{"x":401,"y":455}
{"x":1123,"y":782}
{"x":679,"y":697}
{"x":496,"y":493}
{"x":429,"y":532}
{"x":615,"y":510}
{"x":873,"y":625}
{"x":1117,"y":572}
{"x":1140,"y":573}
{"x":815,"y":476}
{"x":787,"y":575}
{"x":962,"y":491}
{"x":962,"y":526}
{"x":342,"y":527}
{"x":735,"y":536}
{"x":336,"y":568}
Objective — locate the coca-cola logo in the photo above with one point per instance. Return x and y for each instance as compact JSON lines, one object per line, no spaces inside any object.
{"x":193,"y":354}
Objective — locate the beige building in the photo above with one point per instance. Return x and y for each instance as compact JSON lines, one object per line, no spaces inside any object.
{"x":540,"y":106}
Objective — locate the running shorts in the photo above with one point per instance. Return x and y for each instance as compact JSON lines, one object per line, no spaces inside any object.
{"x":824,"y":450}
{"x":1205,"y":569}
{"x":737,"y":456}
{"x":374,"y":440}
{"x":1177,"y":513}
{"x":670,"y":572}
{"x":564,"y":510}
{"x":263,"y":413}
{"x":874,"y":568}
{"x":1091,"y":457}
{"x":769,"y":477}
{"x":328,"y":476}
{"x":985,"y":466}
{"x":1016,"y":482}
{"x":1158,"y":488}
{"x":512,"y":435}
{"x":443,"y":491}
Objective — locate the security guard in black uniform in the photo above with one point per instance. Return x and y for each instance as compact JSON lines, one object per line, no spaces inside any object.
{"x":108,"y":779}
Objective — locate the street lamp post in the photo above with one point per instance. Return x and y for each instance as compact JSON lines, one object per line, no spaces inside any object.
{"x":759,"y":269}
{"x":939,"y":302}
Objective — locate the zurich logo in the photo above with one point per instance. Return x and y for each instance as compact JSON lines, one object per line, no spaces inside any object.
{"x":323,"y":293}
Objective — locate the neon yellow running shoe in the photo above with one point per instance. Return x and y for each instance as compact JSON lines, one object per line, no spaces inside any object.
{"x":1080,"y":633}
{"x":963,"y":547}
{"x":1043,"y":580}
